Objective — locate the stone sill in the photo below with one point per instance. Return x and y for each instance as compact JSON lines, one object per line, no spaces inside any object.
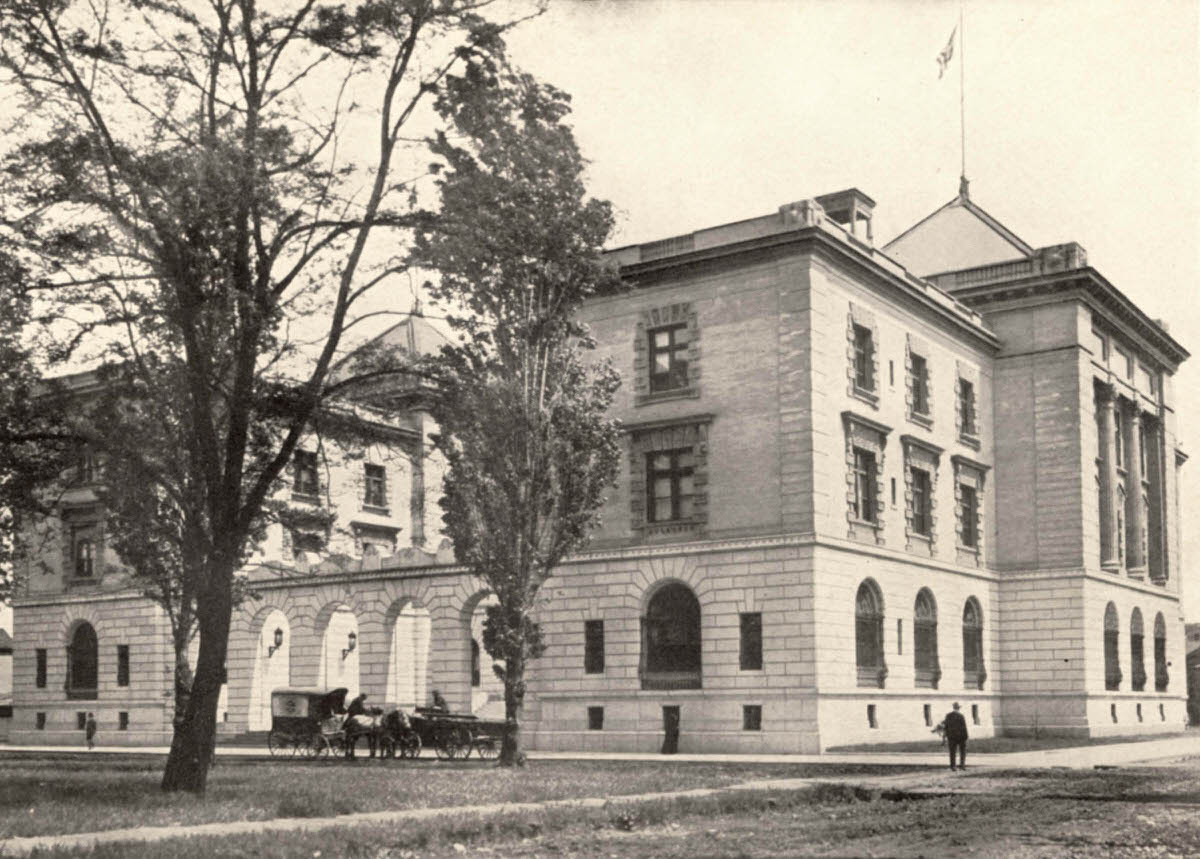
{"x":921,"y":419}
{"x":310,"y":498}
{"x":690,"y":392}
{"x":971,"y":441}
{"x":867,"y":396}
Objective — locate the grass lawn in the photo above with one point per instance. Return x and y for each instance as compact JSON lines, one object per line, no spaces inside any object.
{"x":77,"y":793}
{"x":1105,"y":813}
{"x":1000,"y":745}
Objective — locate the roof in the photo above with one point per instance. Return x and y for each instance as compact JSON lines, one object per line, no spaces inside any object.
{"x":961,"y":234}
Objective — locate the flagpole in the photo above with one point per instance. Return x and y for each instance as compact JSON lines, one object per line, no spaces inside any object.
{"x":962,"y":102}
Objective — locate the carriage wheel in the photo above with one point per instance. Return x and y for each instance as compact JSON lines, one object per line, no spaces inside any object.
{"x":487,"y":749}
{"x":277,"y":743}
{"x":410,"y":745}
{"x":337,"y":744}
{"x":465,"y":742}
{"x":318,"y":746}
{"x":450,"y":745}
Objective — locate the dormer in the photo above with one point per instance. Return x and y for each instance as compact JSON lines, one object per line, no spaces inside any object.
{"x":851,"y":210}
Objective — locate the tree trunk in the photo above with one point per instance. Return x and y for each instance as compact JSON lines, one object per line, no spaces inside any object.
{"x":195,"y":734}
{"x":514,"y":696}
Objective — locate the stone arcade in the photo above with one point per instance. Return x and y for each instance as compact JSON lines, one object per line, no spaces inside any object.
{"x":861,"y":483}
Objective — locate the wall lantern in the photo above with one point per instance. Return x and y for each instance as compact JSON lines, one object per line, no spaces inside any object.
{"x":351,"y":643}
{"x":278,"y":643}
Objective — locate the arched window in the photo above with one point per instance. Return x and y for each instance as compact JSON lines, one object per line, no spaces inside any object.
{"x":1137,"y":658}
{"x":476,"y":679}
{"x":83,"y":559}
{"x":1112,"y":637}
{"x":868,"y":635}
{"x":925,"y":649}
{"x":82,"y":663}
{"x":671,"y":640}
{"x":972,"y":637}
{"x":1161,"y":678}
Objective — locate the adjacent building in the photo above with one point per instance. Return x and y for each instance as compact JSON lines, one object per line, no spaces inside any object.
{"x":861,"y":483}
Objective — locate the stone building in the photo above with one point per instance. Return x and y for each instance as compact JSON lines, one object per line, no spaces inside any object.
{"x":861,"y":483}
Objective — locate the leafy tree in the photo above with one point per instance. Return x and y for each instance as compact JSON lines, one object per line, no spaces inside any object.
{"x":522,"y":416}
{"x":201,"y":205}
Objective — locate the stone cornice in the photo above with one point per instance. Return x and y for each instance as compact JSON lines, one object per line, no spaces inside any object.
{"x":844,"y":249}
{"x":849,"y":417}
{"x":922,"y":444}
{"x":660,"y":423}
{"x":1096,"y":292}
{"x":967,"y":462}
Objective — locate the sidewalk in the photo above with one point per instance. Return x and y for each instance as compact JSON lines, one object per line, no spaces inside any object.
{"x":1079,"y":757}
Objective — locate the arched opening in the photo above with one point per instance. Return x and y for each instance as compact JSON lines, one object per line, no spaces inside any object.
{"x":83,"y":663}
{"x":972,"y":637}
{"x":925,"y":645}
{"x":671,"y":639}
{"x":408,"y":663}
{"x":868,"y":635}
{"x":272,"y":668}
{"x":339,"y":653}
{"x":1112,"y":649}
{"x":1137,"y":656}
{"x":1161,"y":678}
{"x":487,"y":689}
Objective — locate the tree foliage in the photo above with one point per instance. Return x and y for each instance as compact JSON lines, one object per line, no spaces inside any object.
{"x":522,"y":414}
{"x":198,"y":199}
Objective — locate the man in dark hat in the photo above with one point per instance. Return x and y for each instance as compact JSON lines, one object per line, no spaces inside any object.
{"x":956,"y":737}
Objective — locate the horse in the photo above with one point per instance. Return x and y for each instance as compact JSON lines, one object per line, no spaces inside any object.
{"x":369,"y":725}
{"x":397,"y":734}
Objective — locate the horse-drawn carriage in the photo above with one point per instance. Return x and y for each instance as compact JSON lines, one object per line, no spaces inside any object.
{"x":306,"y":721}
{"x":312,"y":722}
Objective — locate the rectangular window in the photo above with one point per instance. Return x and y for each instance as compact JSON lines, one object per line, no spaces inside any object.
{"x":305,"y":478}
{"x":1142,"y":449}
{"x":84,"y":553}
{"x":122,"y":721}
{"x":122,"y":664}
{"x":375,"y":486}
{"x":669,"y":485}
{"x":750,"y":653}
{"x":668,"y":358}
{"x":922,"y":521}
{"x":595,"y":718}
{"x":41,"y":668}
{"x":752,"y":717}
{"x":968,"y":507}
{"x":871,"y":722}
{"x":975,"y":714}
{"x":39,"y":721}
{"x":966,"y":407}
{"x":864,"y":485}
{"x":920,"y":385}
{"x":593,"y":647}
{"x":864,"y":358}
{"x":81,"y":720}
{"x":900,"y":636}
{"x":928,"y":709}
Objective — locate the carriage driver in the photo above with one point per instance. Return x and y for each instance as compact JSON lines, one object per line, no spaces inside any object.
{"x":357,"y":708}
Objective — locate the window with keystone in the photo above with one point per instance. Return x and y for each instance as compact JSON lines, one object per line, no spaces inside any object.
{"x":1137,"y":657}
{"x":1161,"y":678}
{"x":917,"y":382}
{"x":968,"y":495}
{"x":868,"y":635}
{"x":862,"y":335}
{"x":1112,"y":648}
{"x":671,"y":639}
{"x":83,"y":663}
{"x":866,"y":442}
{"x":666,"y":354}
{"x":972,"y":638}
{"x":668,"y":480}
{"x":925,"y":647}
{"x":920,"y":490}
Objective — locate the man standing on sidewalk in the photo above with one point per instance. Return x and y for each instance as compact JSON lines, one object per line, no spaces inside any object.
{"x":956,"y":737}
{"x":90,"y":731}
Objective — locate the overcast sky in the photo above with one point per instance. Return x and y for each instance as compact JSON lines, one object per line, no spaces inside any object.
{"x":1082,"y":124}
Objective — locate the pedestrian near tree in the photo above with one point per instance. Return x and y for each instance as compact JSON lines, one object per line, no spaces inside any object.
{"x":956,"y":737}
{"x":89,"y":730}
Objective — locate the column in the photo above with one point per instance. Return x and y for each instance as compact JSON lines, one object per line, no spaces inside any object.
{"x":1135,"y":503}
{"x":1106,"y":402}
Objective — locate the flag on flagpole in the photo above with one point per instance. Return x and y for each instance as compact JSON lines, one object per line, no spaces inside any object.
{"x":947,"y":53}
